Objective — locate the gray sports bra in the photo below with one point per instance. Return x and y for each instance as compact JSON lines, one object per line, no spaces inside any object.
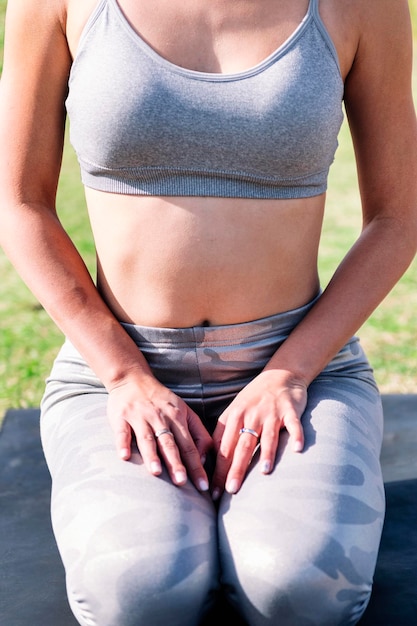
{"x":142,"y":125}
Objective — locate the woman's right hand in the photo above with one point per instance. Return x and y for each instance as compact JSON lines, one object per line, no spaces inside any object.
{"x":165,"y":428}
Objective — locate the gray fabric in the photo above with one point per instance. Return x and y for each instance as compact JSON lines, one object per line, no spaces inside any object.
{"x":296,"y":547}
{"x":142,"y":125}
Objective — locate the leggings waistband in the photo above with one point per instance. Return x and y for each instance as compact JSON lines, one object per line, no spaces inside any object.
{"x":230,"y":334}
{"x":206,"y":366}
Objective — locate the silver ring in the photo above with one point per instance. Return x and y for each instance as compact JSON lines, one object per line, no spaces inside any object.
{"x":164,"y":431}
{"x":249,"y":431}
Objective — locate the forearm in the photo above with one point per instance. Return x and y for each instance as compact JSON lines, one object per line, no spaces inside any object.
{"x":50,"y":265}
{"x":369,"y":271}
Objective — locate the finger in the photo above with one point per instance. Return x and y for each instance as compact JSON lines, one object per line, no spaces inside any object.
{"x":185,"y":427}
{"x":191,"y":458}
{"x":269,"y":445}
{"x":223,"y":463}
{"x":219,"y":475}
{"x":218,"y":435}
{"x":295,"y":430}
{"x":224,"y":441}
{"x":169,"y":452}
{"x":147,"y":447}
{"x":226,"y":449}
{"x":244,"y":451}
{"x":123,"y":439}
{"x":200,"y":436}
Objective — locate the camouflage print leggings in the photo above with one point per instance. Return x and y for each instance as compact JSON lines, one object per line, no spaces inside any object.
{"x":295,"y":548}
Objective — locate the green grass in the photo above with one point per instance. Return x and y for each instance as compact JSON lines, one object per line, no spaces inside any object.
{"x":29,"y":340}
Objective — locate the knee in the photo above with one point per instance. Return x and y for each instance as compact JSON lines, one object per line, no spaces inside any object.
{"x":312,"y":597}
{"x":119,"y":589}
{"x":296,"y":594}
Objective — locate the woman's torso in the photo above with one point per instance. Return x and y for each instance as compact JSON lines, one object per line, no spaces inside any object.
{"x":183,"y":261}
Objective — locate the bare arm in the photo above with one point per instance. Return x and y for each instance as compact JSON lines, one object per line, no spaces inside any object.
{"x":382,"y":119}
{"x":32,"y":118}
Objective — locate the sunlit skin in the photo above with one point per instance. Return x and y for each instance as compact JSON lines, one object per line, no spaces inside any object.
{"x":179,"y":262}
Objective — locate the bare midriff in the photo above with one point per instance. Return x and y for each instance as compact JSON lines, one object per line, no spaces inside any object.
{"x":189,"y":261}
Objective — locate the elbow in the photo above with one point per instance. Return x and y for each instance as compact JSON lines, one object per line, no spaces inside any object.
{"x":397,"y":237}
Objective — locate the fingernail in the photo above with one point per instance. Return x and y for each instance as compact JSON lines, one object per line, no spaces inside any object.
{"x":203,"y":459}
{"x":266,"y":467}
{"x":156,"y":467}
{"x":180,"y":478}
{"x":298,"y":446}
{"x":232,"y":486}
{"x":124,"y":453}
{"x":203,"y":484}
{"x":216,"y":494}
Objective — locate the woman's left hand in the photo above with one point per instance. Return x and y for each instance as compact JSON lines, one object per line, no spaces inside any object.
{"x":272,"y":401}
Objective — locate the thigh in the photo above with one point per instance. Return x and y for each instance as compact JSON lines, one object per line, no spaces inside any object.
{"x":299,"y":546}
{"x":134,"y":546}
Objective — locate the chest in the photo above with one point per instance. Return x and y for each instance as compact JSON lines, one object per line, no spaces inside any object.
{"x":219,"y":36}
{"x":133,"y":112}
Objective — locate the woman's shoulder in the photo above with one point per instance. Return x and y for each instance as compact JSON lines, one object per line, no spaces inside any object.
{"x":66,"y":17}
{"x":39,"y":18}
{"x":359,"y":25}
{"x":363,"y":16}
